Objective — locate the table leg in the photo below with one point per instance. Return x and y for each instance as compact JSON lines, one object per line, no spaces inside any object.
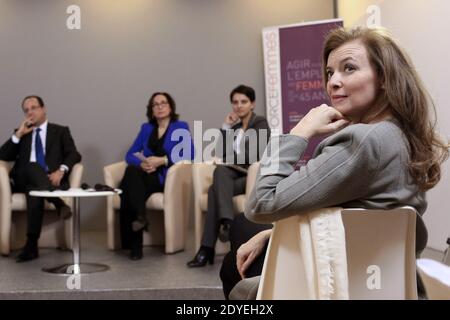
{"x":76,"y":236}
{"x":76,"y":267}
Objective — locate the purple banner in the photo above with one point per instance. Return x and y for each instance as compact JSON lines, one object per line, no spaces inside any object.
{"x":301,"y":73}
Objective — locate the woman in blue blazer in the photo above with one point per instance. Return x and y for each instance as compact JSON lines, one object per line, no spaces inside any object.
{"x":161,"y":142}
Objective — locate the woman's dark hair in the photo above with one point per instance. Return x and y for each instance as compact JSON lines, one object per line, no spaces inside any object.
{"x":173,"y":116}
{"x":245,"y":90}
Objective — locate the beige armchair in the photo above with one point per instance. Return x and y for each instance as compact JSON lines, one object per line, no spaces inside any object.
{"x":168,"y":212}
{"x":380,"y":244}
{"x":202,"y":176}
{"x":13,"y":217}
{"x":436,"y":278}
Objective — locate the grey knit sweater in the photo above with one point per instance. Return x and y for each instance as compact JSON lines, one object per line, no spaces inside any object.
{"x":361,"y":166}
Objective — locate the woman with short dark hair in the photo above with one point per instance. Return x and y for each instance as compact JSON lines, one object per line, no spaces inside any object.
{"x":228,"y":181}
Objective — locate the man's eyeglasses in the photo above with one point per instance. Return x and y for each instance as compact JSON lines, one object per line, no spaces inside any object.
{"x":161,"y":104}
{"x":32,"y":108}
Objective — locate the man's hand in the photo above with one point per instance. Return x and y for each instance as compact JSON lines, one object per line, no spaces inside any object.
{"x":56,"y":177}
{"x":25,"y":127}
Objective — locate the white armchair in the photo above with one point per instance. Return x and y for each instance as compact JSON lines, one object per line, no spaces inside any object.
{"x":382,"y":240}
{"x":169,"y":211}
{"x":202,"y":176}
{"x":436,"y":278}
{"x":13,"y":217}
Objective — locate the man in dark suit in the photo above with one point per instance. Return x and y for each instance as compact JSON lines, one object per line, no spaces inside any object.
{"x":44,"y":154}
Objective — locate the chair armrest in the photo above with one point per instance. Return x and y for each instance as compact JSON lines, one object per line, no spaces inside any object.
{"x":5,"y":186}
{"x":202,"y":177}
{"x":177,"y":203}
{"x":251,"y":179}
{"x":177,"y":177}
{"x":113,"y":173}
{"x":7,"y":165}
{"x":5,"y":207}
{"x":76,"y":176}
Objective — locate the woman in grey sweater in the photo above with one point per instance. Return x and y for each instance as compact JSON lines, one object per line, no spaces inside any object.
{"x":381,"y":151}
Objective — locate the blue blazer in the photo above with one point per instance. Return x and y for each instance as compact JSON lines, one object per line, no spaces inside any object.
{"x":177,"y":144}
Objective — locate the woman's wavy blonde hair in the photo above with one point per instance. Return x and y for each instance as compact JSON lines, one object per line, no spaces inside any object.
{"x":405,"y":95}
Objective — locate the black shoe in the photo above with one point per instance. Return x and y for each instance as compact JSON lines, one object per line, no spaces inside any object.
{"x":64,"y":211}
{"x":136,"y":254}
{"x":203,"y":255}
{"x":27,"y":254}
{"x":138,"y":225}
{"x":224,"y":231}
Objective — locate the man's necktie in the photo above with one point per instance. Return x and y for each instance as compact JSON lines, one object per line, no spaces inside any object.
{"x":40,"y":158}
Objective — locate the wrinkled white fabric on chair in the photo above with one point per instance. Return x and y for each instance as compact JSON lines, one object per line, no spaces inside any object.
{"x":323,"y":250}
{"x":319,"y":256}
{"x":375,"y":240}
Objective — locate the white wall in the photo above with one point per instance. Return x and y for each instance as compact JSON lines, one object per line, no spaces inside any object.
{"x":422,"y":27}
{"x":98,"y":79}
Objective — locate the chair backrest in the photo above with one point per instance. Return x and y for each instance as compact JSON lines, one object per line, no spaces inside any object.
{"x":380,"y":246}
{"x":436,"y":278}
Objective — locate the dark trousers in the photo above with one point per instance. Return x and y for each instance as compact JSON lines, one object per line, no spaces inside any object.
{"x":227,"y":183}
{"x":33,"y":177}
{"x":241,"y":231}
{"x":137,"y":186}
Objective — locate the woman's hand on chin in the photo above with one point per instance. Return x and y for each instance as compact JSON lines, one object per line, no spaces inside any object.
{"x":322,"y":120}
